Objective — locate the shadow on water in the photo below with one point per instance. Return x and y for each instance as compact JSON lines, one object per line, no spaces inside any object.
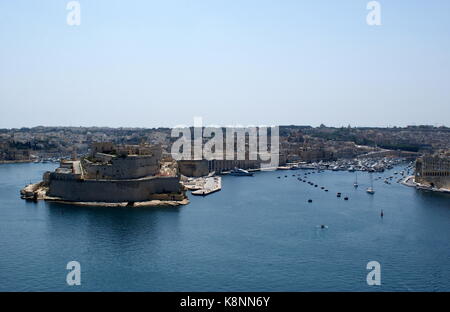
{"x":122,"y":226}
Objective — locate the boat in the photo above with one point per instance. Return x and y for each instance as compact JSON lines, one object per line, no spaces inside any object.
{"x":370,"y":189}
{"x":240,"y":172}
{"x":307,"y":166}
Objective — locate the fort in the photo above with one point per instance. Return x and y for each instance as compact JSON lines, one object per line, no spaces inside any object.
{"x":433,"y":171}
{"x":113,"y":175}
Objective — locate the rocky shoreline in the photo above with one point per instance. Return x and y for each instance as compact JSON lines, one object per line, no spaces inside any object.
{"x":15,"y":161}
{"x":409,"y":181}
{"x":38,"y":191}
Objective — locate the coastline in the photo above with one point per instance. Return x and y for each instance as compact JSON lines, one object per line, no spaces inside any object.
{"x":37,"y":191}
{"x":4,"y":162}
{"x":151,"y":203}
{"x":410,"y":182}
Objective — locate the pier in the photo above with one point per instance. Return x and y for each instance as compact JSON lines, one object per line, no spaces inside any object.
{"x":207,"y":186}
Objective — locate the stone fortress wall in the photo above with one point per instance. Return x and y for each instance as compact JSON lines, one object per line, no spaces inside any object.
{"x":112,"y":191}
{"x":113,"y":174}
{"x":433,"y":170}
{"x":129,"y":167}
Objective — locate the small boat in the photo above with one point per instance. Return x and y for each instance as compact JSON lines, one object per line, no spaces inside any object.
{"x":309,"y":200}
{"x":370,"y":189}
{"x":240,"y":172}
{"x":338,"y":194}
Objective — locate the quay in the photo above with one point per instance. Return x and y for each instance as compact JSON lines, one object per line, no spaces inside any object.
{"x":410,"y":181}
{"x":206,"y":186}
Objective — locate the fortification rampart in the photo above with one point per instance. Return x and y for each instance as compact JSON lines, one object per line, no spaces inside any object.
{"x":130,"y":167}
{"x":112,"y":191}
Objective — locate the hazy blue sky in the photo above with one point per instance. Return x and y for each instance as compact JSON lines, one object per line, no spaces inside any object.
{"x":160,"y":63}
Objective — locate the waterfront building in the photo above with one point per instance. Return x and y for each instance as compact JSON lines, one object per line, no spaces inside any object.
{"x":434,"y":170}
{"x":113,"y":174}
{"x":202,"y":167}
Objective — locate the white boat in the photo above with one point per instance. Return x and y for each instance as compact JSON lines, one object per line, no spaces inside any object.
{"x":240,"y":172}
{"x":370,"y":189}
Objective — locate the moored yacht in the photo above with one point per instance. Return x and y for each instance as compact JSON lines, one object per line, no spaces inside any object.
{"x":370,"y":189}
{"x":240,"y":172}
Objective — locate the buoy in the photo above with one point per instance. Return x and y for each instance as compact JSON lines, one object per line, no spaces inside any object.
{"x":382,"y":214}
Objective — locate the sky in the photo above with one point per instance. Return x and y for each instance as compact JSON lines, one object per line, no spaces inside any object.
{"x":233,"y":62}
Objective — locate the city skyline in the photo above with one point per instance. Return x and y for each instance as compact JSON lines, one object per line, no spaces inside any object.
{"x":159,"y":64}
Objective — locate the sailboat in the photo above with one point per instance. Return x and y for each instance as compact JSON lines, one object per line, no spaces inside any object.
{"x":356,"y":180}
{"x":370,"y":189}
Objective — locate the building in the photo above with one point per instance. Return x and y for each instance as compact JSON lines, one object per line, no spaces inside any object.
{"x":114,"y":174}
{"x":199,"y":168}
{"x":194,"y":168}
{"x":433,"y":170}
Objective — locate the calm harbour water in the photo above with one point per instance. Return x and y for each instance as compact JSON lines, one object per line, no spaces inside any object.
{"x":257,"y":234}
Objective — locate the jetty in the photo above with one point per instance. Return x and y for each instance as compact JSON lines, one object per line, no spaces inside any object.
{"x":210,"y":185}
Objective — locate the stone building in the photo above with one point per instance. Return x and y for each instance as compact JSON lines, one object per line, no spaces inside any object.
{"x":199,"y":168}
{"x":113,"y":174}
{"x":434,"y":170}
{"x":193,"y":168}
